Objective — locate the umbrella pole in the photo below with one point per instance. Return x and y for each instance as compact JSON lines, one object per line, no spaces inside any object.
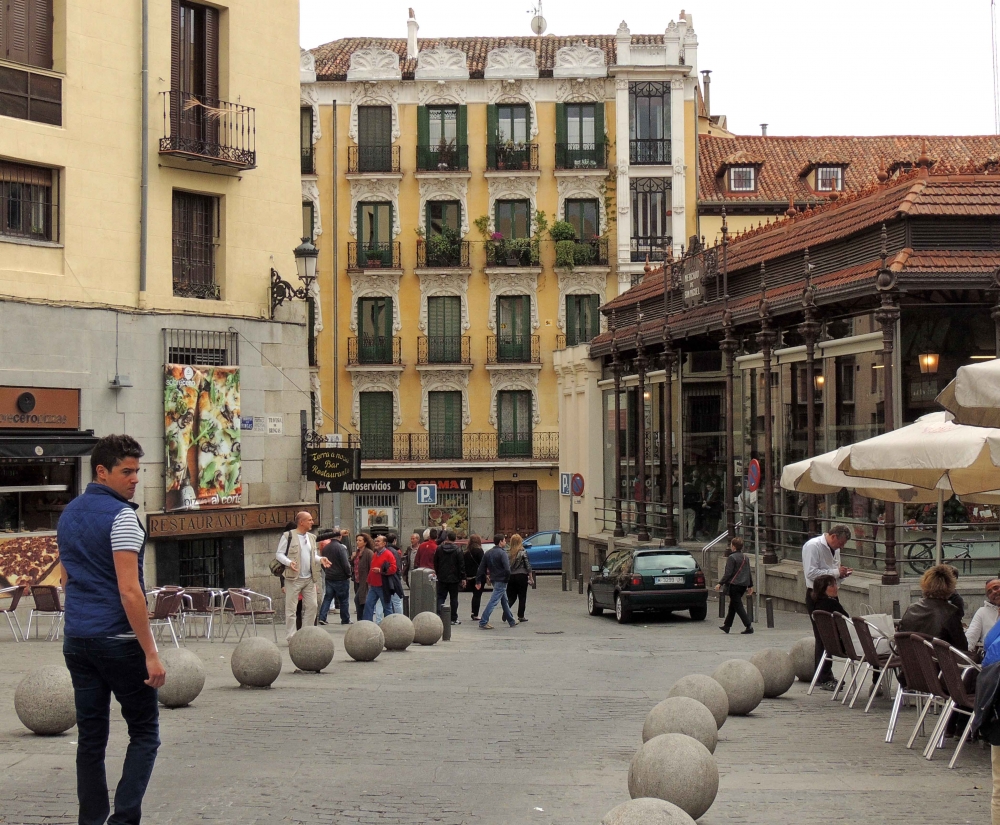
{"x":940,"y":522}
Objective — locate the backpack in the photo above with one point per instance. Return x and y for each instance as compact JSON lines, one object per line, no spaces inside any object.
{"x":275,"y":566}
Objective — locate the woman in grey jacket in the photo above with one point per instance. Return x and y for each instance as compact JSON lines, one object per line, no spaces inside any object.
{"x":739,"y":581}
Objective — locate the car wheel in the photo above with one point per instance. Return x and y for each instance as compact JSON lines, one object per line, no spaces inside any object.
{"x":622,"y":611}
{"x":592,"y":607}
{"x":699,"y":613}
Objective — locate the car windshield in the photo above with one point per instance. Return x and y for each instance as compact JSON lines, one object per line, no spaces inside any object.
{"x":662,"y":562}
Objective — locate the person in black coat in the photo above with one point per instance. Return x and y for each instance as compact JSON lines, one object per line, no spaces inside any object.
{"x":449,"y":566}
{"x":935,"y":615}
{"x":737,"y":580}
{"x":473,"y":555}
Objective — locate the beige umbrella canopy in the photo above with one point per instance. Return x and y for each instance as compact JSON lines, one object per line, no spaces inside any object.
{"x":973,"y":397}
{"x":820,"y":475}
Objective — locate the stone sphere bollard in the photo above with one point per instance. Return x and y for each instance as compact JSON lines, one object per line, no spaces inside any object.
{"x":311,"y":649}
{"x":647,"y":811}
{"x":427,"y":628}
{"x":743,"y":685}
{"x":256,"y":662}
{"x":364,"y":641}
{"x":776,"y":668}
{"x":185,"y":677}
{"x":44,"y":700}
{"x":682,"y":714}
{"x":678,"y":769}
{"x":803,"y":655}
{"x":398,"y":631}
{"x":706,"y":690}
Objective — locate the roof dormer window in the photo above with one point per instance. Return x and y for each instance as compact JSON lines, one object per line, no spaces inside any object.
{"x":829,"y":179}
{"x":743,"y":179}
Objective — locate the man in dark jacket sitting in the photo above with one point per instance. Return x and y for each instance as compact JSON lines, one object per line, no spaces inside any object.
{"x":449,"y":565}
{"x":934,"y":615}
{"x":496,"y":563}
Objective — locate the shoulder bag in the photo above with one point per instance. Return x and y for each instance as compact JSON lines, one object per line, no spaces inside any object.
{"x":275,"y":566}
{"x":725,"y":587}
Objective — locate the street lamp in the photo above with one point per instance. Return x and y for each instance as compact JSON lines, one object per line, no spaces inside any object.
{"x":305,"y":263}
{"x":928,"y":362}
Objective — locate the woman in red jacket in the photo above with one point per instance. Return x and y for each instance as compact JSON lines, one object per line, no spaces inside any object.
{"x":384,"y":561}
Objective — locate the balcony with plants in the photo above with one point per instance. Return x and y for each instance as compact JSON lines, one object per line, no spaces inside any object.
{"x":572,"y":251}
{"x":510,"y":156}
{"x":442,"y":250}
{"x":373,"y":255}
{"x":444,"y":156}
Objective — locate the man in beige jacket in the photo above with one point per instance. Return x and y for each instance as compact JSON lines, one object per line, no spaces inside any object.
{"x":297,"y":551}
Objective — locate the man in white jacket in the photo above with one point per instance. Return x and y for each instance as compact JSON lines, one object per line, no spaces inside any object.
{"x":984,"y":619}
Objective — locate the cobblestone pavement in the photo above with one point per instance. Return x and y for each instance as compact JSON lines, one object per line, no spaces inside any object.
{"x":528,"y":726}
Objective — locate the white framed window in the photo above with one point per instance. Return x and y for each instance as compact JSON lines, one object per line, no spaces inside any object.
{"x":743,"y":178}
{"x":829,"y":178}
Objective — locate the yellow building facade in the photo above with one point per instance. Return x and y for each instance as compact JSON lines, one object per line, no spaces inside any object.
{"x":475,"y":201}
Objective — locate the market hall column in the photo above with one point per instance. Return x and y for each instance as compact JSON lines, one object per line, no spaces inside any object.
{"x":616,"y":369}
{"x":667,"y":438}
{"x":728,"y":347}
{"x":642,"y":533}
{"x":809,"y":329}
{"x":766,"y":338}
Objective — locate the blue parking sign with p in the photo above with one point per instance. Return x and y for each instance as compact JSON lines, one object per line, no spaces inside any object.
{"x":427,"y":494}
{"x":564,"y":483}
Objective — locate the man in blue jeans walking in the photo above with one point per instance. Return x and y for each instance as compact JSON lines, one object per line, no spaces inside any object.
{"x":496,"y":563}
{"x":109,"y":647}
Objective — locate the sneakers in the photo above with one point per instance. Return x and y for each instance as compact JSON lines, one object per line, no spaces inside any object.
{"x":831,"y":685}
{"x":347,"y":622}
{"x":475,"y":618}
{"x":723,"y":628}
{"x":521,"y":619}
{"x":513,"y":624}
{"x":748,"y":631}
{"x":456,"y":622}
{"x":486,"y":626}
{"x":321,"y":623}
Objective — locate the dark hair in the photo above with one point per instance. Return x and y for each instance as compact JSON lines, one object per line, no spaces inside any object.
{"x":291,"y":526}
{"x":938,"y":582}
{"x":821,"y":585}
{"x":451,"y":535}
{"x":498,"y":537}
{"x":474,"y":541}
{"x":391,"y":538}
{"x":323,"y":535}
{"x":367,"y":539}
{"x":737,"y":544}
{"x":111,"y":450}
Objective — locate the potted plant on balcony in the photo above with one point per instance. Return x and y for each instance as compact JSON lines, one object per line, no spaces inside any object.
{"x":518,"y":251}
{"x":446,"y":155}
{"x":564,"y":235}
{"x":373,"y":258}
{"x":443,"y":248}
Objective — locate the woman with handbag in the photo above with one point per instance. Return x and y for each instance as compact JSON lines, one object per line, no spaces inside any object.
{"x":735,"y":582}
{"x":520,"y":575}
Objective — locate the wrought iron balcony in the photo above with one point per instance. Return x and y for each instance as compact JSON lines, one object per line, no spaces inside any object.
{"x":373,"y":255}
{"x":515,"y":252}
{"x":441,"y":252}
{"x":308,"y":161}
{"x":513,"y":349}
{"x":649,"y":152}
{"x":443,"y":349}
{"x":443,"y":158}
{"x":581,"y":156}
{"x":654,"y":246}
{"x":560,"y":341}
{"x":373,"y":349}
{"x":583,"y":253}
{"x":513,"y":157}
{"x":461,"y":446}
{"x":361,"y":159}
{"x":196,"y":127}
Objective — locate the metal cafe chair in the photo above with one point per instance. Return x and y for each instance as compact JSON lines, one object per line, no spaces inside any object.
{"x":10,"y":609}
{"x":247,"y":607}
{"x":167,"y":609}
{"x":883,"y":664}
{"x":857,"y":660}
{"x":953,"y":665}
{"x":200,"y":603}
{"x":912,"y":685}
{"x":47,"y":603}
{"x":833,"y":650}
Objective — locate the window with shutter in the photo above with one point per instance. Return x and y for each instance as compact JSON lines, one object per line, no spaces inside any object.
{"x":582,"y":320}
{"x":374,"y":234}
{"x":442,"y":138}
{"x":374,"y":138}
{"x":513,"y":328}
{"x":195,"y":238}
{"x":444,"y":424}
{"x":514,"y":423}
{"x":444,"y":329}
{"x":376,"y":425}
{"x":305,"y":139}
{"x":512,"y":219}
{"x":194,"y":72}
{"x":28,"y":202}
{"x":375,"y":331}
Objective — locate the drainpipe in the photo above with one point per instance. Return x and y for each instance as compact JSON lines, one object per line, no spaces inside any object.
{"x":144,"y":148}
{"x":336,"y":286}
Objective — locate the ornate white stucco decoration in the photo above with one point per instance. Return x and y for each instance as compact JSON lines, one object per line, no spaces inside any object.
{"x":444,"y":381}
{"x":314,"y":293}
{"x":623,"y":30}
{"x":577,"y":282}
{"x":374,"y":94}
{"x":442,"y":188}
{"x":310,"y":193}
{"x":501,"y":380}
{"x":580,"y":60}
{"x":374,"y":64}
{"x":679,"y":169}
{"x":370,"y":190}
{"x":375,"y":381}
{"x":309,"y":97}
{"x":677,"y":83}
{"x":513,"y":188}
{"x":624,"y":202}
{"x":443,"y":283}
{"x":580,"y":90}
{"x":514,"y":91}
{"x":307,"y":66}
{"x":441,"y":93}
{"x":375,"y":283}
{"x":442,"y":63}
{"x":314,"y":386}
{"x":510,"y":62}
{"x":512,"y":282}
{"x":583,"y":187}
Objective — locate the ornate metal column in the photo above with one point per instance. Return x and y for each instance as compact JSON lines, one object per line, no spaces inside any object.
{"x":766,"y":338}
{"x":642,"y":533}
{"x":810,"y":334}
{"x":669,"y":359}
{"x":995,"y":312}
{"x":887,"y":315}
{"x":616,"y":368}
{"x":728,"y":347}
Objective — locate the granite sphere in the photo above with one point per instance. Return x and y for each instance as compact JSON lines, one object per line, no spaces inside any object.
{"x":803,"y":655}
{"x":44,"y":700}
{"x":776,"y":668}
{"x":427,"y":628}
{"x":675,"y":768}
{"x":311,"y":649}
{"x":398,"y":631}
{"x":706,"y":690}
{"x":647,"y":811}
{"x":682,"y":714}
{"x":256,"y":662}
{"x":743,"y":684}
{"x":185,"y":677}
{"x":364,"y":641}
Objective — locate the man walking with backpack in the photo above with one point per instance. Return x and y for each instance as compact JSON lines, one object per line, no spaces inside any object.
{"x":497,"y":565}
{"x":297,"y":551}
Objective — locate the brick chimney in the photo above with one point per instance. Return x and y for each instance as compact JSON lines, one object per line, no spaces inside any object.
{"x":411,"y":36}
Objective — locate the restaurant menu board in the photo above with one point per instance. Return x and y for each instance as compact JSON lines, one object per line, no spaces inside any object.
{"x":450,"y":518}
{"x":202,"y":427}
{"x":28,"y":560}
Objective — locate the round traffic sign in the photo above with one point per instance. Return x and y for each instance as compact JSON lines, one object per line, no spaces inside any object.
{"x":576,"y":484}
{"x":753,"y":476}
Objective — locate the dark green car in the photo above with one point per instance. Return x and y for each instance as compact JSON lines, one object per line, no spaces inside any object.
{"x":649,"y":578}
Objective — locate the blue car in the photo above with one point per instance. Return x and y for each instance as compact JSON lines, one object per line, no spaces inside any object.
{"x":544,"y":550}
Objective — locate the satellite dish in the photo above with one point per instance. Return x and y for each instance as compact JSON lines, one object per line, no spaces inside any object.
{"x":538,"y":24}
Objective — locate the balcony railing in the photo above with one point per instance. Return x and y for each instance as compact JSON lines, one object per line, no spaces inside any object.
{"x":361,"y":159}
{"x":443,"y":349}
{"x":373,"y":255}
{"x":655,"y":247}
{"x":196,"y":127}
{"x":194,"y":267}
{"x":649,"y":151}
{"x":581,"y":156}
{"x":513,"y":349}
{"x":459,"y":446}
{"x":514,"y":158}
{"x":515,"y":252}
{"x":443,"y":158}
{"x":308,"y":161}
{"x":373,"y":349}
{"x":582,"y":253}
{"x":441,"y":253}
{"x":560,"y":341}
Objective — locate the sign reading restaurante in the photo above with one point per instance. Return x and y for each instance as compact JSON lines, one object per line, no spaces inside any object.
{"x":245,"y":520}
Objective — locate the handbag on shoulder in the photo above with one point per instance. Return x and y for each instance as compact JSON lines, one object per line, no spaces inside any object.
{"x":275,"y":566}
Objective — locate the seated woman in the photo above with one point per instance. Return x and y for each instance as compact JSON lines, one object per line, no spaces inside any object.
{"x":824,"y":594}
{"x":934,"y":615}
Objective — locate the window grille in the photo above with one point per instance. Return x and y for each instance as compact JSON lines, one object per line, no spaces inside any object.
{"x":376,"y":500}
{"x":29,"y":202}
{"x":829,"y":179}
{"x":195,"y":238}
{"x":199,"y":347}
{"x":743,"y":179}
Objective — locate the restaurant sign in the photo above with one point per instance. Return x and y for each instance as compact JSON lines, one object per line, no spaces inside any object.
{"x":207,"y":522}
{"x":333,"y":465}
{"x":693,"y":281}
{"x":38,"y":408}
{"x":406,"y":485}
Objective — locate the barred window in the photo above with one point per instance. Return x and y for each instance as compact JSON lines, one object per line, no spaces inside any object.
{"x":743,"y":179}
{"x":829,"y":178}
{"x":207,"y":348}
{"x":29,"y":202}
{"x":195,"y":238}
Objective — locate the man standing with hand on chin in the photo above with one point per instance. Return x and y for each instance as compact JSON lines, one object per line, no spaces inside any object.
{"x":297,"y":551}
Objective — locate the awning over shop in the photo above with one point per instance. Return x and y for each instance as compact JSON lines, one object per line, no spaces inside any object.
{"x":22,"y":444}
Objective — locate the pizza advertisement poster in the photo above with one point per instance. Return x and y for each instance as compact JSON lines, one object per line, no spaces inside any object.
{"x":27,"y":560}
{"x":201,"y":407}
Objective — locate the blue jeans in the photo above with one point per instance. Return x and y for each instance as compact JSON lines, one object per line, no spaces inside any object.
{"x":100,"y":667}
{"x":499,"y":595}
{"x":342,"y":590}
{"x":375,"y":596}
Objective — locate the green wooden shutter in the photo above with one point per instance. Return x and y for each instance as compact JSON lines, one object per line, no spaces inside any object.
{"x":376,"y":424}
{"x":492,"y":135}
{"x":444,"y":424}
{"x":561,"y":131}
{"x":599,"y":133}
{"x":571,"y":325}
{"x":594,"y":317}
{"x":423,"y":136}
{"x":462,"y":136}
{"x":387,"y":325}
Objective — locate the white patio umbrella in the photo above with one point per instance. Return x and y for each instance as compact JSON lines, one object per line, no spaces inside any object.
{"x":973,"y":396}
{"x":821,"y":475}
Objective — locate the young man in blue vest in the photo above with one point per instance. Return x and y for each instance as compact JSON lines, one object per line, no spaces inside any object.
{"x":109,"y":647}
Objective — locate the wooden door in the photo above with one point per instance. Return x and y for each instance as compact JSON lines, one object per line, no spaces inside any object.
{"x":515,"y":507}
{"x":527,"y":508}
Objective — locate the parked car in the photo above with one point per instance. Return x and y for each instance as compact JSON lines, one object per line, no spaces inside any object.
{"x":544,"y":550}
{"x":658,"y":578}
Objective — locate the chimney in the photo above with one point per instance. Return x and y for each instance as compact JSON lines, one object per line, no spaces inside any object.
{"x":411,"y":36}
{"x":763,"y":129}
{"x":705,"y":91}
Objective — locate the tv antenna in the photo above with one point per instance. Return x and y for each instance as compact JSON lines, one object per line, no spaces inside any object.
{"x":538,"y":24}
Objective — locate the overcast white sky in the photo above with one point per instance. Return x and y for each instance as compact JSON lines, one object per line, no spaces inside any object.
{"x":837,"y":67}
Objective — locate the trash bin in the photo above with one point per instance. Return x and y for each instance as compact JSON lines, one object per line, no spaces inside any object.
{"x":423,"y":591}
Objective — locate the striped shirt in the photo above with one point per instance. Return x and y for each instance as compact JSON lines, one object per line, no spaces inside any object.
{"x":126,"y":535}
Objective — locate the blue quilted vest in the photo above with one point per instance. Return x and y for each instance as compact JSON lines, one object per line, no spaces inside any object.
{"x":93,"y":603}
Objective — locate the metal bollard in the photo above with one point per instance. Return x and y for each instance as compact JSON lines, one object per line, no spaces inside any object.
{"x":750,"y":615}
{"x":579,"y":580}
{"x":722,"y":605}
{"x":565,"y":582}
{"x":406,"y":604}
{"x":769,"y":610}
{"x":895,"y":610}
{"x":445,"y":614}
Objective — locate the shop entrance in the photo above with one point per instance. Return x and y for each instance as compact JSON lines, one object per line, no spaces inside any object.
{"x":515,"y":507}
{"x":201,"y":562}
